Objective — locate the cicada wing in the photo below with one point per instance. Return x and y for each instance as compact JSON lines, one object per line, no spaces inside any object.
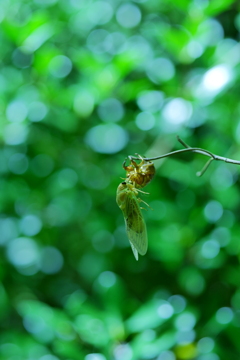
{"x":135,"y":252}
{"x":135,"y":225}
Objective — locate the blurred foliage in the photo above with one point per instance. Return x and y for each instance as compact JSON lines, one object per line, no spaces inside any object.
{"x":83,"y":84}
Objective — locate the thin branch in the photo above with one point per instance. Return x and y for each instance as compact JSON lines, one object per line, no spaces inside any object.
{"x":183,"y":142}
{"x":206,"y":166}
{"x":214,"y":157}
{"x":195,"y":150}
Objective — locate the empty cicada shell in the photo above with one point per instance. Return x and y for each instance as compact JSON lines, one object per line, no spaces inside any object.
{"x":139,"y":174}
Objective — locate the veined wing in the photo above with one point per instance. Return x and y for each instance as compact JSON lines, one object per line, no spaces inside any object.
{"x":135,"y":225}
{"x":135,"y":252}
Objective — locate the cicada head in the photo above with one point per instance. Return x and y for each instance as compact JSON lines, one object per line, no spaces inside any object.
{"x":121,"y":194}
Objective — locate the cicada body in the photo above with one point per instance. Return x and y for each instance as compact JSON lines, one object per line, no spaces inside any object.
{"x":135,"y":225}
{"x":139,"y":174}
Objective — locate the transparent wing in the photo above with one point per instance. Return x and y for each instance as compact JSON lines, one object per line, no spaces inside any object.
{"x":135,"y":225}
{"x":135,"y":253}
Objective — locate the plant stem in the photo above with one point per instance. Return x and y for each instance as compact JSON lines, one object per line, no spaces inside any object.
{"x":195,"y":150}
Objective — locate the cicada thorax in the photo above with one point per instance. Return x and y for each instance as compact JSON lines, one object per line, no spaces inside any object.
{"x":139,"y":174}
{"x":123,"y":190}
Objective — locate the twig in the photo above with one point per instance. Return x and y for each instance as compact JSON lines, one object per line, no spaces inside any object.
{"x":195,"y":150}
{"x":206,"y":166}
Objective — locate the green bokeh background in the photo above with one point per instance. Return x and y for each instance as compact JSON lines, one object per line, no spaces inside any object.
{"x":83,"y":84}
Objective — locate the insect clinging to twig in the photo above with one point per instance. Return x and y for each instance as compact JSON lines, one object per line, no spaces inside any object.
{"x":138,"y":176}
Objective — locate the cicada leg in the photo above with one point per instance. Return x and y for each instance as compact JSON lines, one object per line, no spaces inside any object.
{"x":143,"y":192}
{"x":140,"y":157}
{"x":140,"y":200}
{"x":131,"y":167}
{"x":124,"y":164}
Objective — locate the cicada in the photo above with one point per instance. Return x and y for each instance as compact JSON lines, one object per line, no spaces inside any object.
{"x":139,"y":174}
{"x":135,"y":225}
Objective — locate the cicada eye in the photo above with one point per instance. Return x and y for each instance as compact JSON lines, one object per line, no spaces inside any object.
{"x":124,"y":183}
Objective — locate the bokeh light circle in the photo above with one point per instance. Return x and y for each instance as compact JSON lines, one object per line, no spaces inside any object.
{"x":60,"y":66}
{"x":128,"y":15}
{"x":107,"y":138}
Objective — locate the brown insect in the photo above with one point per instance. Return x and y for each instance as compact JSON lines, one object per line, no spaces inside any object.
{"x":139,"y":174}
